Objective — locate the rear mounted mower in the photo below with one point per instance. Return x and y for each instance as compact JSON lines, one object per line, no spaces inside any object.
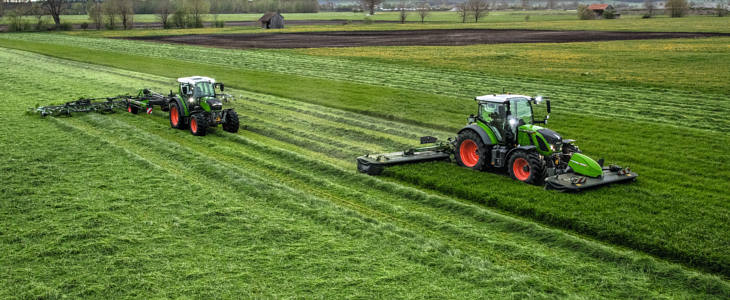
{"x":504,"y":135}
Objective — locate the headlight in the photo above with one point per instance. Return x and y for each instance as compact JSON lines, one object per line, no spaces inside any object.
{"x":552,"y":147}
{"x":191,"y":100}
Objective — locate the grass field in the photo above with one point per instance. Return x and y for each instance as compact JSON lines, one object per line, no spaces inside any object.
{"x":231,"y":215}
{"x":676,"y":229}
{"x":278,"y":209}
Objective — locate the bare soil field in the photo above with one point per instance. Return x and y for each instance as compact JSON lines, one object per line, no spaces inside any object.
{"x":444,"y":37}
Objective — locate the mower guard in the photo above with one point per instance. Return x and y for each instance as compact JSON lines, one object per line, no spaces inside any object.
{"x":573,"y":182}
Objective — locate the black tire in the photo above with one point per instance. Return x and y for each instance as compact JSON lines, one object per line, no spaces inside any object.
{"x":469,"y":161}
{"x":179,"y":122}
{"x":231,"y":125}
{"x":533,"y":170}
{"x":132,"y":109}
{"x":198,"y":124}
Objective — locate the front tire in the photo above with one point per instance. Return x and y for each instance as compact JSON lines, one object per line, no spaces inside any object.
{"x":527,"y":167}
{"x":198,"y":124}
{"x":232,"y":124}
{"x":471,"y":151}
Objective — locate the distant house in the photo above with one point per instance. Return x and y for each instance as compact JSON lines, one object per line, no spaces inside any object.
{"x":599,"y":9}
{"x":272,"y":20}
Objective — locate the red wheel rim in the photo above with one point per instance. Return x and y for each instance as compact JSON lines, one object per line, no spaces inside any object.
{"x":468,"y":153}
{"x":521,"y":169}
{"x":193,"y":125}
{"x":173,"y":116}
{"x":129,"y":109}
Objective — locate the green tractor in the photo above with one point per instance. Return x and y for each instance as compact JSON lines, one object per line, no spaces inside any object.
{"x":199,"y":107}
{"x":504,"y":135}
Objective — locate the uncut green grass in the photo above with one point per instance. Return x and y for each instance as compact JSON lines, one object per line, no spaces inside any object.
{"x":120,"y":205}
{"x":677,"y":210}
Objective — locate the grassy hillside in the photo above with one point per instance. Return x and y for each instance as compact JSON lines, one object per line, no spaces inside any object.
{"x":120,"y":205}
{"x":677,"y":210}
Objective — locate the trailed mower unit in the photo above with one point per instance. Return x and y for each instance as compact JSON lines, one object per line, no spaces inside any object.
{"x":504,"y":135}
{"x":197,"y":106}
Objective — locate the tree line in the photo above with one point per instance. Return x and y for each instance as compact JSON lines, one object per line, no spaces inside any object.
{"x":113,"y":14}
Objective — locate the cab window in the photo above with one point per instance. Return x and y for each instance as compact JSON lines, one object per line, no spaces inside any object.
{"x":521,"y":110}
{"x":204,"y":89}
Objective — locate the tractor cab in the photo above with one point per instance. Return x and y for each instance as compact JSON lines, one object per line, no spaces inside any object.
{"x":200,"y":91}
{"x":505,"y":114}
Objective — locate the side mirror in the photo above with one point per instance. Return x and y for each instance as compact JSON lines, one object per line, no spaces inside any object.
{"x":548,"y":106}
{"x":471,"y":119}
{"x":223,"y":87}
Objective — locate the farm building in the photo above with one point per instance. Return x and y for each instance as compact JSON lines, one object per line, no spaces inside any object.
{"x":272,"y":20}
{"x":599,"y":9}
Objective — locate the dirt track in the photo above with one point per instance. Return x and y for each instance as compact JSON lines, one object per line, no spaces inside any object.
{"x":446,"y":37}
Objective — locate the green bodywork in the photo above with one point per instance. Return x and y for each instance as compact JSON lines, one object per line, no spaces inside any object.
{"x":488,"y":130}
{"x":204,"y":103}
{"x":526,"y":135}
{"x":585,"y":165}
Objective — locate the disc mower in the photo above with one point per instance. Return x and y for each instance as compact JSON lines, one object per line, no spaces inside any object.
{"x":197,"y":106}
{"x":504,"y":135}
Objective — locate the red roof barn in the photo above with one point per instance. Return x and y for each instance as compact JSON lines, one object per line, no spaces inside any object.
{"x":599,"y":9}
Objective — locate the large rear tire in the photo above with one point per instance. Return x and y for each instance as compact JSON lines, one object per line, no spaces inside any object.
{"x":198,"y":124}
{"x":177,"y":120}
{"x":231,"y":124}
{"x":471,"y":151}
{"x":527,"y":167}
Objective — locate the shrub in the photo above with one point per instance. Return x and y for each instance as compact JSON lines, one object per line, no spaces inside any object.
{"x":646,"y":16}
{"x":179,"y":18}
{"x":84,"y":26}
{"x":367,"y":21}
{"x":64,"y":26}
{"x":219,"y":23}
{"x":609,"y":14}
{"x":584,"y":13}
{"x":40,"y":25}
{"x":677,"y":8}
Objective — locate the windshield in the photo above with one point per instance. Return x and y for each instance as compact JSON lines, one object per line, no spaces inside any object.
{"x":204,"y":89}
{"x":521,"y":110}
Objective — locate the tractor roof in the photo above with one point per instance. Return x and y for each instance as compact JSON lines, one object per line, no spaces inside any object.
{"x":499,"y":98}
{"x":195,"y":79}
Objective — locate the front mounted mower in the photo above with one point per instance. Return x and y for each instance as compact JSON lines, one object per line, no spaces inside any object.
{"x":504,"y":135}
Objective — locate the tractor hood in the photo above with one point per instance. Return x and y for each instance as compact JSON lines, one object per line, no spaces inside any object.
{"x":550,"y":136}
{"x":214,"y":103}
